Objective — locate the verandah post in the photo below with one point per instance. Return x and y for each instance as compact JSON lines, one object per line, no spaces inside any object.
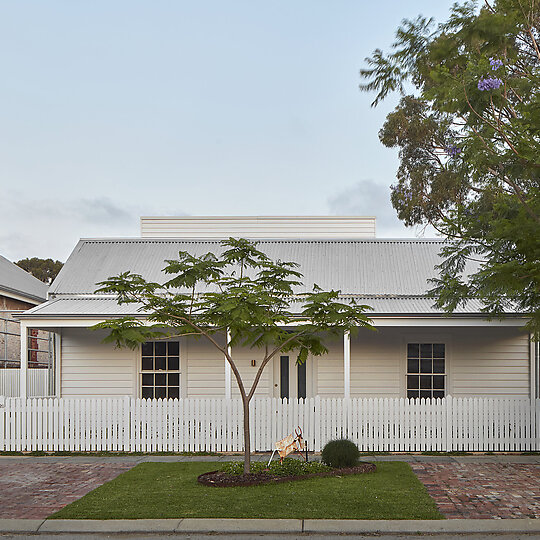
{"x":347,"y":364}
{"x":23,"y":371}
{"x":228,"y":370}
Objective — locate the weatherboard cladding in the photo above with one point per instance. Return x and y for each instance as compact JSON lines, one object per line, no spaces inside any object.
{"x":285,"y":227}
{"x":368,"y":267}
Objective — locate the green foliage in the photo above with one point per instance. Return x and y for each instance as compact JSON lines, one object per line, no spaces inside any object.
{"x":43,"y":269}
{"x":129,"y":332}
{"x":469,"y":151}
{"x":241,"y":290}
{"x":340,"y":453}
{"x":289,"y":467}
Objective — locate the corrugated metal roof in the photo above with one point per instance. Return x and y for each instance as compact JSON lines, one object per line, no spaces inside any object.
{"x":108,"y":307}
{"x":15,"y":280}
{"x":364,"y":266}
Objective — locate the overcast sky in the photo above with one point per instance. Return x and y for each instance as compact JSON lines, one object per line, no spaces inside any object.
{"x":115,"y":109}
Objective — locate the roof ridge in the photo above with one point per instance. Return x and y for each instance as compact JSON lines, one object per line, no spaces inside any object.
{"x":165,"y":240}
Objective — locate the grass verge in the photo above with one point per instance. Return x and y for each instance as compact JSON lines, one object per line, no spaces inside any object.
{"x":171,"y":490}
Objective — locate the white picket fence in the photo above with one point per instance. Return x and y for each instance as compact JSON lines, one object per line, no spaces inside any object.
{"x":127,"y":424}
{"x":38,"y":382}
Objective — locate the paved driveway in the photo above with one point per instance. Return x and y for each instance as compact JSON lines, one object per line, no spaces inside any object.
{"x":36,"y":490}
{"x":483,"y":490}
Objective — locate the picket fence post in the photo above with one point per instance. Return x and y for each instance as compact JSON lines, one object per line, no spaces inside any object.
{"x":2,"y":423}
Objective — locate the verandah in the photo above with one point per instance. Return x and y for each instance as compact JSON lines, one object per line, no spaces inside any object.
{"x":193,"y":425}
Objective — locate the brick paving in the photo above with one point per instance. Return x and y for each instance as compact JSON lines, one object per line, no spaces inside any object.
{"x":482,"y":490}
{"x":36,"y":490}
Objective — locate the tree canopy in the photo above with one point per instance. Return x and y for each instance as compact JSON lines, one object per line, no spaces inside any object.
{"x":468,"y":133}
{"x":239,"y":292}
{"x":43,"y":269}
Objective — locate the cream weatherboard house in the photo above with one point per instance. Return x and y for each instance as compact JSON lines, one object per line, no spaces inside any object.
{"x":483,"y":372}
{"x":416,"y":351}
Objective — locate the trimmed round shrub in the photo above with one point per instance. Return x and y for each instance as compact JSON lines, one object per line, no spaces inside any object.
{"x":340,"y":453}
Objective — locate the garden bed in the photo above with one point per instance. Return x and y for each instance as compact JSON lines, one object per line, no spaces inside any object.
{"x":225,"y":479}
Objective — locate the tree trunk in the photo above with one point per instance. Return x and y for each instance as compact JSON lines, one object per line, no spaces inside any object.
{"x":247,"y":442}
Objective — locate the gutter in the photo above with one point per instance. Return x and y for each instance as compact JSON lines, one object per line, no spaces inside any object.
{"x":30,"y":297}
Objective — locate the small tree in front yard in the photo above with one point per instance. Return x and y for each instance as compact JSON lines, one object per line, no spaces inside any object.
{"x":242,"y":291}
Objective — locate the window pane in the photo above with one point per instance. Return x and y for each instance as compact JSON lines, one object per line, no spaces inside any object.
{"x":174,"y":363}
{"x":438,"y":350}
{"x":426,"y":350}
{"x":160,"y":364}
{"x":148,"y":364}
{"x":413,"y":365}
{"x":147,"y":392}
{"x":438,"y":365}
{"x":413,"y":350}
{"x":161,"y":348}
{"x":438,"y":382}
{"x":438,"y":393}
{"x":148,"y":348}
{"x":412,"y":381}
{"x":302,"y":380}
{"x":284,"y":377}
{"x":425,"y":365}
{"x":425,"y":381}
{"x":425,"y":393}
{"x":412,"y":393}
{"x":162,"y":357}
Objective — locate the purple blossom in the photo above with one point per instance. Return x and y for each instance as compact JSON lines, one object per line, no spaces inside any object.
{"x":489,"y":83}
{"x":495,"y":63}
{"x":402,"y":191}
{"x":453,"y":150}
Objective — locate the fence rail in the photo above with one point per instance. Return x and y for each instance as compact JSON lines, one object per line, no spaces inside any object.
{"x":127,"y":424}
{"x":38,"y":382}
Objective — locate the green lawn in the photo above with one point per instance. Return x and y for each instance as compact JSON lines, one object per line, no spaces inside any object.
{"x":171,"y":490}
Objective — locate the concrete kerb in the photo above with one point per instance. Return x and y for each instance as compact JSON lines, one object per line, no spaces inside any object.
{"x":452,"y":526}
{"x":109,"y":526}
{"x":191,"y":525}
{"x":20,"y":525}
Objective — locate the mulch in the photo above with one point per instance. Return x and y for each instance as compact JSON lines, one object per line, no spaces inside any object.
{"x":223,"y":479}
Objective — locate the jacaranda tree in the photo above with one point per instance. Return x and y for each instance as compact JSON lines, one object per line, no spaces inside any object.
{"x":239,"y":291}
{"x":468,"y":136}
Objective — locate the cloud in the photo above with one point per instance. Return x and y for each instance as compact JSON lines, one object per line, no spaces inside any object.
{"x":51,"y":228}
{"x":369,"y":198}
{"x":102,"y":209}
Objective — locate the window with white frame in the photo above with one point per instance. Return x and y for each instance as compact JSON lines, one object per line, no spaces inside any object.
{"x":160,"y":369}
{"x":426,"y":370}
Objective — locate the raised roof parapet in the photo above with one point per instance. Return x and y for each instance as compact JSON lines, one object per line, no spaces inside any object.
{"x":301,"y":227}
